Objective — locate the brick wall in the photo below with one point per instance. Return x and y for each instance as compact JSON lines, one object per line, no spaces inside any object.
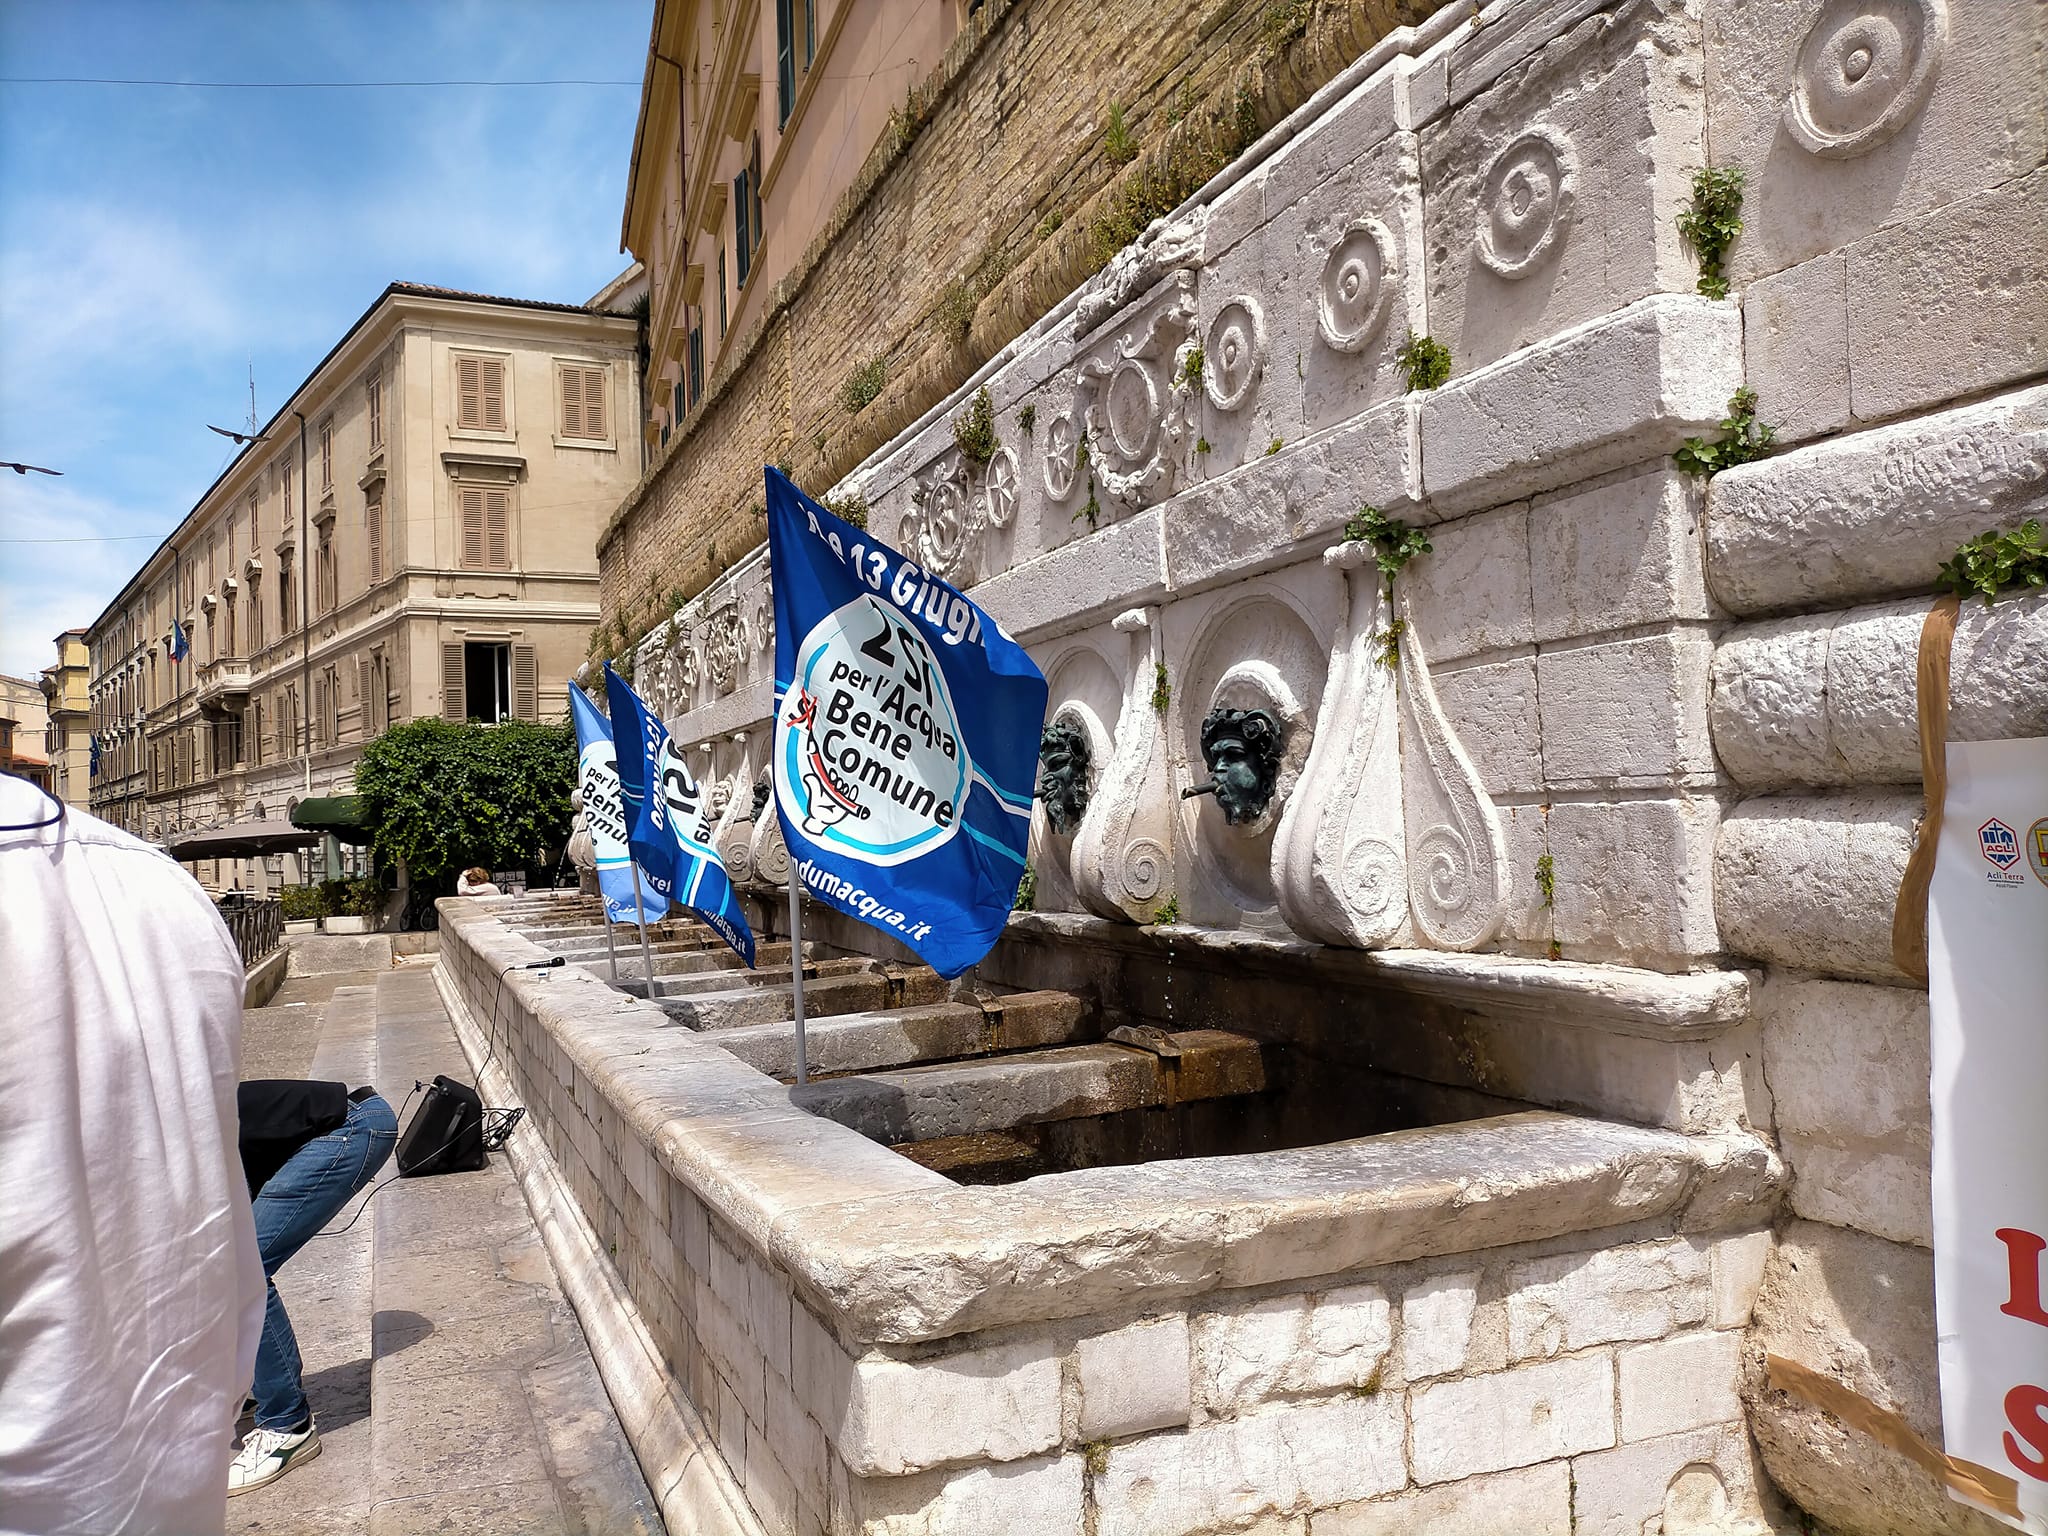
{"x":1003,"y":186}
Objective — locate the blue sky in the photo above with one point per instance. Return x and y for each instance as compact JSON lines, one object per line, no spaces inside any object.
{"x":153,"y":241}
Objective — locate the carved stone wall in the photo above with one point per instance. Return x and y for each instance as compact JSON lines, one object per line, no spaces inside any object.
{"x":1616,"y":715}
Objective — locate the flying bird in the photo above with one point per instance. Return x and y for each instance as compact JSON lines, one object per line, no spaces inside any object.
{"x":239,"y":437}
{"x":22,"y":469}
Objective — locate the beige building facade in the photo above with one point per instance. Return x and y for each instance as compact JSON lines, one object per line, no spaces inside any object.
{"x":412,"y":534}
{"x":24,"y":731}
{"x":67,"y":695}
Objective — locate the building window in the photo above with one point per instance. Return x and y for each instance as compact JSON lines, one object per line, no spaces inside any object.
{"x":785,"y":60}
{"x":373,"y":390}
{"x":256,"y":731}
{"x":480,"y":394}
{"x":284,"y":481}
{"x":373,"y":528}
{"x":810,"y":33}
{"x":486,"y":527}
{"x":326,"y":455}
{"x":325,"y":586}
{"x":487,"y":682}
{"x":722,"y":316}
{"x":255,"y":615}
{"x":742,"y":232}
{"x":583,"y":401}
{"x":287,"y":608}
{"x":330,"y":707}
{"x":227,"y":744}
{"x":696,"y":361}
{"x":227,"y":626}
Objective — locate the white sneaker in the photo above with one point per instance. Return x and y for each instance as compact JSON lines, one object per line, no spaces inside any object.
{"x":268,"y":1454}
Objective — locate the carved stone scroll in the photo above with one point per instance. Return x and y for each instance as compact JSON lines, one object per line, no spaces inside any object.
{"x":1122,"y":863}
{"x":1457,"y":852}
{"x":1340,"y":864}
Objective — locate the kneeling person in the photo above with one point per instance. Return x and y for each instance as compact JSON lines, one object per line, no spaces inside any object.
{"x":307,"y":1148}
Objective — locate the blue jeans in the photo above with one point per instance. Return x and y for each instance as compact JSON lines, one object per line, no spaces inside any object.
{"x":294,"y":1203}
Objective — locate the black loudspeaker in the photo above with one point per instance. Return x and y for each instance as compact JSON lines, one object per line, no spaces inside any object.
{"x":446,"y":1134}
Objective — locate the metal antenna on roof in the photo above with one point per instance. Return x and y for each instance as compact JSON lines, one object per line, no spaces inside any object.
{"x":252,"y":395}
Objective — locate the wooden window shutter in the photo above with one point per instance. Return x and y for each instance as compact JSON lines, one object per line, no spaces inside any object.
{"x":493,"y":377}
{"x":472,"y":524}
{"x":593,"y":403}
{"x":453,"y":705}
{"x":572,"y":402}
{"x":374,"y":524}
{"x":525,"y":683}
{"x":498,"y":530}
{"x":469,"y":392}
{"x":363,"y":687}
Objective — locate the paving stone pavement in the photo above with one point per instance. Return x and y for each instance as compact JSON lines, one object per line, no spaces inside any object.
{"x":451,"y":1382}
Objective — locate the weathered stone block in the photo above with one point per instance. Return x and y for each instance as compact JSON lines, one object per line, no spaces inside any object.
{"x":1551,"y":193}
{"x":1874,"y":514}
{"x":1471,"y":592}
{"x":1738,"y":1271}
{"x":1491,"y":705}
{"x":1704,"y":1480}
{"x":1795,"y":330}
{"x":1532,"y":1501}
{"x":1680,"y":1383}
{"x":1952,"y":304}
{"x":1436,"y":1325}
{"x":999,"y":1404}
{"x":1283,"y":1458}
{"x":1849,"y":1071}
{"x":1630,"y":552}
{"x":1897,"y":147}
{"x":1600,"y":397}
{"x":1557,"y":1305}
{"x":1042,"y":1495}
{"x":1634,"y":880}
{"x":1512,"y":1418}
{"x":1859,"y":1309}
{"x":1290,"y":1344}
{"x":1626,"y":713}
{"x":1134,"y":1379}
{"x":1811,"y":883}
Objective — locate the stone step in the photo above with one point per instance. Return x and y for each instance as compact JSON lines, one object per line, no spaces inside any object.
{"x":768,"y":958}
{"x":1066,"y":1083}
{"x":489,"y":1411}
{"x":893,"y":987}
{"x":867,"y":1042}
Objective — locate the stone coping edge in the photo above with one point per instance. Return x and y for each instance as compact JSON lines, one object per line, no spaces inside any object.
{"x":1620,"y":999}
{"x":693,"y":1486}
{"x":896,"y":1254}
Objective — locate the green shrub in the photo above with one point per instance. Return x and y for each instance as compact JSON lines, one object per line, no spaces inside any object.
{"x":442,"y":796}
{"x":303,"y":903}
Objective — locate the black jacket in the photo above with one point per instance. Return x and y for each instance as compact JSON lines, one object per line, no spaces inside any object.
{"x":279,"y":1116}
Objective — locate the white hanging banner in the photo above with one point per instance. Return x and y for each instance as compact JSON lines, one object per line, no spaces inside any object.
{"x":1987,"y":960}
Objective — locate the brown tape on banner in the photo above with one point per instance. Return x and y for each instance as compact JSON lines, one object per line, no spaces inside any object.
{"x":1909,"y":915}
{"x":1993,"y":1490}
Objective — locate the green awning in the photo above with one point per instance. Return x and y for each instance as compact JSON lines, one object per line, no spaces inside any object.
{"x":341,"y":815}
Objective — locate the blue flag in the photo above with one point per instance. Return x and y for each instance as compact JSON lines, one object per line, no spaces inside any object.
{"x":906,"y":737}
{"x":181,"y":647}
{"x":669,"y":821}
{"x":604,"y":807}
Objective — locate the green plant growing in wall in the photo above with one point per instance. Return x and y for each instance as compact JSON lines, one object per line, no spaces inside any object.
{"x":1162,"y":688}
{"x":1743,"y":440}
{"x":1394,"y":543}
{"x":1710,"y":223}
{"x":974,"y":429}
{"x":1274,"y":447}
{"x":1546,"y":880}
{"x":1994,"y":562}
{"x":954,"y":314}
{"x":1027,"y":890}
{"x":1424,"y":361}
{"x":1050,"y":224}
{"x":1091,"y":509}
{"x":1027,"y":419}
{"x":1190,"y":369}
{"x":1201,"y":445}
{"x":850,"y":508}
{"x":864,"y":384}
{"x":1168,"y":913}
{"x":1118,"y":145}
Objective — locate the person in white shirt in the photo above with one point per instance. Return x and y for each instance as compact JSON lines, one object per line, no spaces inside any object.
{"x":131,"y":1290}
{"x":476,"y":881}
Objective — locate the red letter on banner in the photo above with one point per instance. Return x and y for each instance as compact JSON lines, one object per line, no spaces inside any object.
{"x":2023,"y":1255}
{"x":2033,"y":1402}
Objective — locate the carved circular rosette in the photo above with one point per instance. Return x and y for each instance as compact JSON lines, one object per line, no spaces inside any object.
{"x":1059,"y":458}
{"x":764,"y":623}
{"x":1445,"y":891}
{"x":724,"y":647}
{"x":1525,"y":203}
{"x":1234,"y":354}
{"x":1356,"y":290}
{"x":1131,"y":404}
{"x":1142,"y":868}
{"x":999,"y":488}
{"x":943,"y":528}
{"x":1373,"y":879}
{"x":1865,"y":67}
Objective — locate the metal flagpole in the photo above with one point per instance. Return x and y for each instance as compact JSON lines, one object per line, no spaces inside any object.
{"x":796,"y":969}
{"x":611,"y":939}
{"x":646,"y":954}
